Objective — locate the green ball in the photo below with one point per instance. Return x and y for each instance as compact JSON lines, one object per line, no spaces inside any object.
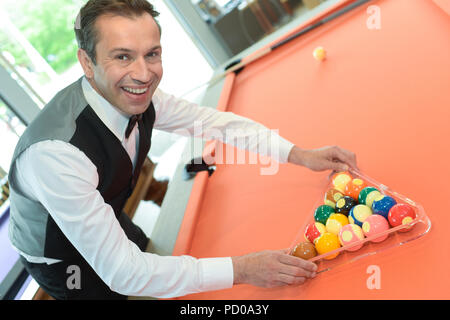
{"x":322,"y":213}
{"x":363,"y":194}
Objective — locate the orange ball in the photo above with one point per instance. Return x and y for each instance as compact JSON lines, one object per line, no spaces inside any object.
{"x":305,"y":250}
{"x":354,"y":187}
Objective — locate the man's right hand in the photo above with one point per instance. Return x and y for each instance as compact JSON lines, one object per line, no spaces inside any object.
{"x":272,"y":269}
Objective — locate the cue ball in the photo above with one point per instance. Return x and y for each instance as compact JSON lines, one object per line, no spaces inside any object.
{"x":375,"y":224}
{"x":326,"y":243}
{"x":349,"y":234}
{"x":305,"y":250}
{"x":401,"y":214}
{"x":319,"y":53}
{"x":313,"y":231}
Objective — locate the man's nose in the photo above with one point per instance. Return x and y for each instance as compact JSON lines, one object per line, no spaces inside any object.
{"x":141,"y":71}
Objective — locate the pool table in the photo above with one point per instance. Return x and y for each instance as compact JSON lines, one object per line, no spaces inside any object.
{"x":383,"y":93}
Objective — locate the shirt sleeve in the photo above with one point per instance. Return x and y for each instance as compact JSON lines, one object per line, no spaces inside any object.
{"x":64,"y":180}
{"x":189,"y":119}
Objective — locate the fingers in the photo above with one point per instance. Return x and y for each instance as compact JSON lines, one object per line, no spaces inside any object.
{"x":297,"y":267}
{"x":343,"y":158}
{"x":294,"y":271}
{"x":285,"y":279}
{"x":298,"y":263}
{"x":271,"y":268}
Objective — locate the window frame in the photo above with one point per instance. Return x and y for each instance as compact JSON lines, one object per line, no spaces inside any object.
{"x":19,"y":102}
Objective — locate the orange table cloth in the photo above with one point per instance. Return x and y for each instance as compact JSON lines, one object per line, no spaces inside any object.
{"x":382,"y":93}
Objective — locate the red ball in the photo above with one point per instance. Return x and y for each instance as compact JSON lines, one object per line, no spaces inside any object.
{"x":313,"y":231}
{"x":401,"y":214}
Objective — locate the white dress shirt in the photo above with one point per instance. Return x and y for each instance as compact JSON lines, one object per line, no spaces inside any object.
{"x":64,"y":180}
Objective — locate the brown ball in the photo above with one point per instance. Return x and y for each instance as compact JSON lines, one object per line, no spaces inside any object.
{"x":332,"y":196}
{"x":305,"y":250}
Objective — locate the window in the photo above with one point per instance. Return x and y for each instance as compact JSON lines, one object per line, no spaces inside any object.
{"x":12,"y":274}
{"x":241,"y":23}
{"x":38,"y":46}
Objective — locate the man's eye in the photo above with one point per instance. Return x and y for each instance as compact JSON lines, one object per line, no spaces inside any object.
{"x":123,"y":57}
{"x":154,"y":54}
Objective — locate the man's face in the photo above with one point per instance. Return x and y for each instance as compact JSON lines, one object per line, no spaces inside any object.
{"x":129,"y":66}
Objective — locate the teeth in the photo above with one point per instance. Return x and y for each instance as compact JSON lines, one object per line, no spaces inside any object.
{"x":135,"y":91}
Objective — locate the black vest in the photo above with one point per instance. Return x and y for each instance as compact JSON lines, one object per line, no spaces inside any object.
{"x":116,"y":177}
{"x":69,"y":118}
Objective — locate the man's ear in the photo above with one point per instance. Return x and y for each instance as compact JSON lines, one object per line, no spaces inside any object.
{"x":86,"y":63}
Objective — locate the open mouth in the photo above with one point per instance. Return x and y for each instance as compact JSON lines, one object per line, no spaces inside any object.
{"x":135,"y":90}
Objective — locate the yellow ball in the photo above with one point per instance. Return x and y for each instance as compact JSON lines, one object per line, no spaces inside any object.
{"x":335,"y":222}
{"x":319,"y":53}
{"x":326,"y":243}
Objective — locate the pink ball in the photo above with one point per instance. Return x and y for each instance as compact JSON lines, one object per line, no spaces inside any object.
{"x":351,"y":233}
{"x":375,"y":224}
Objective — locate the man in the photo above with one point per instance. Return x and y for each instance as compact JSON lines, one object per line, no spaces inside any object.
{"x":78,"y":162}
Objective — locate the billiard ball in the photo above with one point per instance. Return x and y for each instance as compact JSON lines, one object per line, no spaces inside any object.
{"x":375,"y":224}
{"x":350,"y":234}
{"x":363,"y":194}
{"x":335,"y":222}
{"x":322,"y":213}
{"x":319,"y":53}
{"x":359,"y":213}
{"x":313,"y":231}
{"x":332,"y":196}
{"x":305,"y":250}
{"x":326,"y":243}
{"x":401,"y":214}
{"x":340,"y":180}
{"x":371,"y":197}
{"x":354,"y":187}
{"x":382,"y":204}
{"x":345,"y":204}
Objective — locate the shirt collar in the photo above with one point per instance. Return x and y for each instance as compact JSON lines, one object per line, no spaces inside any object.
{"x":113,"y":118}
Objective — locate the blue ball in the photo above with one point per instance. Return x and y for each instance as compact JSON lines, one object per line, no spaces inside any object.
{"x":359,"y":213}
{"x":383,"y":205}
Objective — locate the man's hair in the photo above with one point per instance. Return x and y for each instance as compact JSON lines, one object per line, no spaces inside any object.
{"x":85,"y":31}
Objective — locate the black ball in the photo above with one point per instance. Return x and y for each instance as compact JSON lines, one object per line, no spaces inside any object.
{"x":345,"y":204}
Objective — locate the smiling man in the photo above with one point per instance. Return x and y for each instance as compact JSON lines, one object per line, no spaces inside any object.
{"x":78,"y":162}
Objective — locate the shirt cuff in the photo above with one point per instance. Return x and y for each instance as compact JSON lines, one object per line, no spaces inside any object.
{"x":285,"y":148}
{"x":217,"y":273}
